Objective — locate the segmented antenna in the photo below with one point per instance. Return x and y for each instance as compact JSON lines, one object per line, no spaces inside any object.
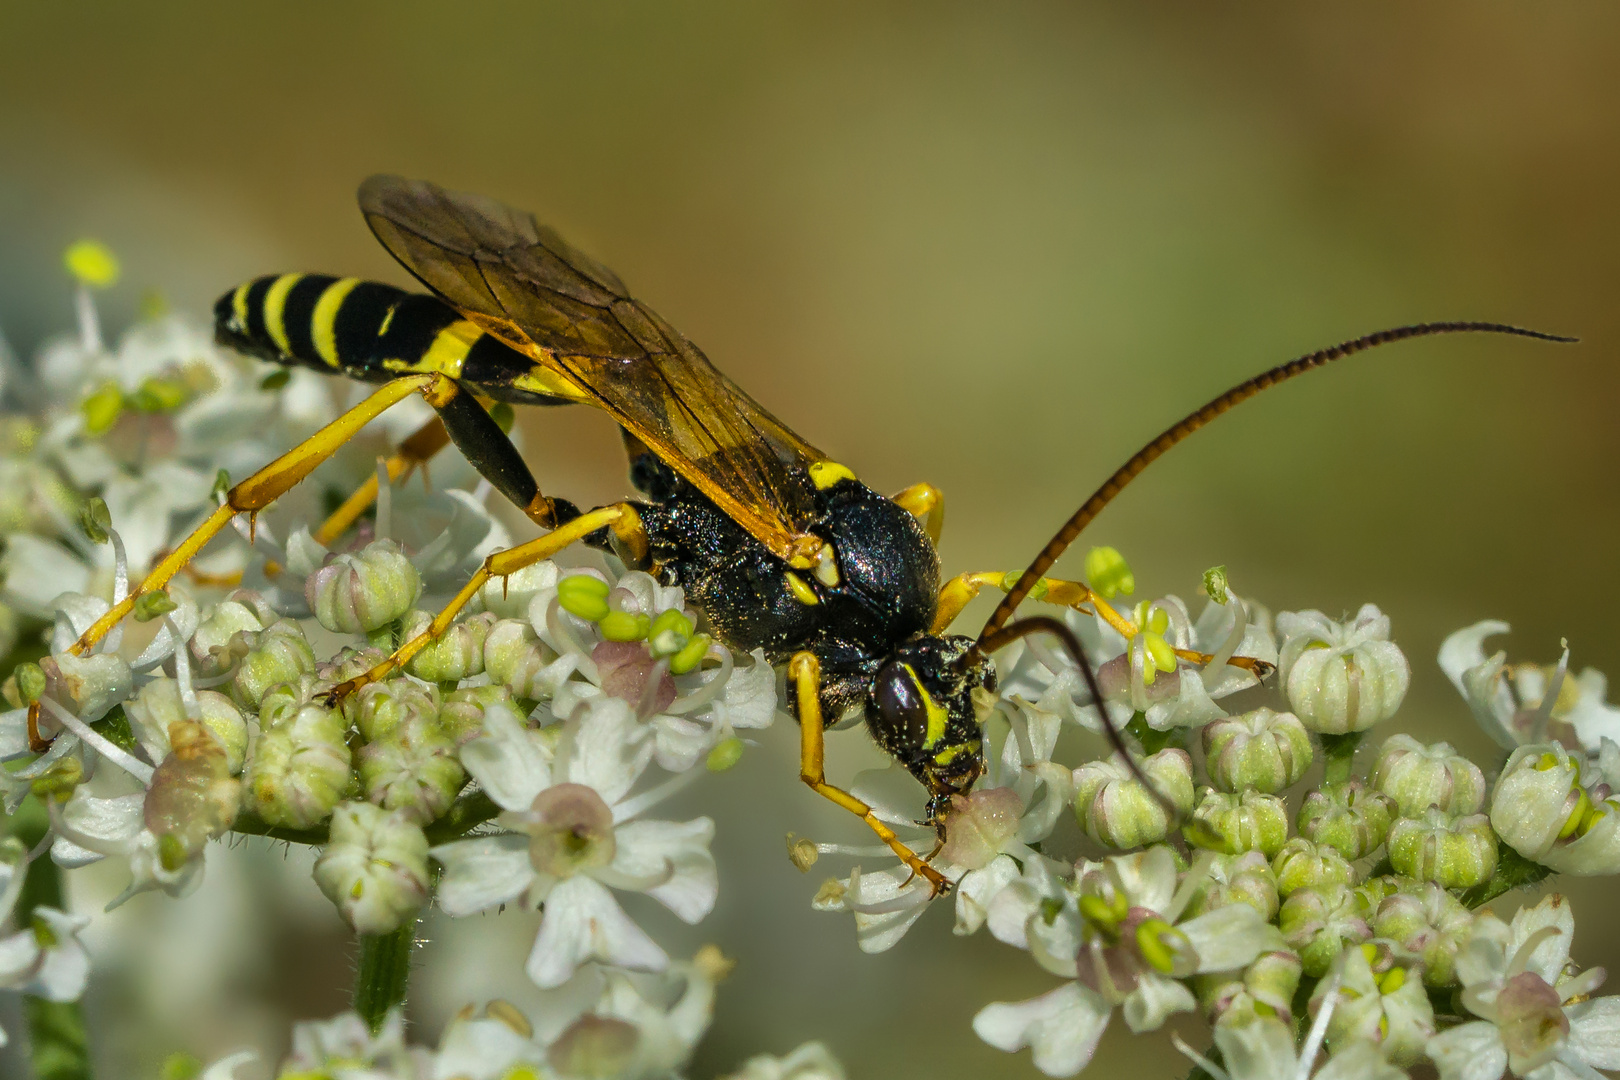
{"x":1185,"y":427}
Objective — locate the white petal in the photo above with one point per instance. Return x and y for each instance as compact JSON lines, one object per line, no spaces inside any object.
{"x":978,"y":888}
{"x":1594,"y":854}
{"x":1149,"y":877}
{"x":1154,"y":1000}
{"x":510,"y":762}
{"x":19,"y":953}
{"x":604,"y":734}
{"x":1359,"y":1061}
{"x":1230,"y":937}
{"x":750,"y":695}
{"x":482,"y":1047}
{"x":1061,"y":1027}
{"x":652,"y":848}
{"x":1548,"y":958}
{"x":1593,"y":718}
{"x":482,"y":872}
{"x":876,"y":933}
{"x":104,"y":825}
{"x":67,"y":966}
{"x":1472,"y":1051}
{"x":583,"y":922}
{"x":1594,"y":1029}
{"x":225,"y":1068}
{"x":1260,"y":1050}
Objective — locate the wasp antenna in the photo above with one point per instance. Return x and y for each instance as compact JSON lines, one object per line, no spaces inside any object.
{"x":1197,"y":419}
{"x":1042,"y":624}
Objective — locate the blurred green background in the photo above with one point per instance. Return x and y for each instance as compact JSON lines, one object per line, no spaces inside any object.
{"x":992,"y":247}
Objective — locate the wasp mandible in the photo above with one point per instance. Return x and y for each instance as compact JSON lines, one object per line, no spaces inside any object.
{"x":780,"y":546}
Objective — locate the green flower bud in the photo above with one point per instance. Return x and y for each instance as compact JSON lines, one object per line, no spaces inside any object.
{"x":1418,"y":776}
{"x":1302,"y":864}
{"x":1237,"y":879}
{"x":31,"y":683}
{"x":456,"y":654}
{"x":1454,"y":852}
{"x":1115,"y":810}
{"x":1318,"y":922}
{"x":379,"y":708}
{"x":669,"y":633}
{"x":1265,"y":988}
{"x":158,"y":705}
{"x":1232,"y":823}
{"x":95,"y":520}
{"x":300,"y":765}
{"x":153,"y":605}
{"x":413,"y":769}
{"x":1261,"y":750}
{"x":193,"y":797}
{"x":365,"y":591}
{"x":375,"y":867}
{"x":1340,"y":677}
{"x":517,"y":659}
{"x":461,"y":714}
{"x":1374,"y":891}
{"x":1349,"y":817}
{"x":1429,"y":923}
{"x":584,"y":595}
{"x":225,"y":634}
{"x":1108,"y":573}
{"x":87,"y":686}
{"x":350,"y":662}
{"x":279,"y":654}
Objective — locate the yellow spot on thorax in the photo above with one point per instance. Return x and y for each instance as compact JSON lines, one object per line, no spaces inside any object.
{"x":802,"y":592}
{"x":827,"y":567}
{"x":324,"y":322}
{"x":951,"y":753}
{"x":824,"y":474}
{"x":275,"y":309}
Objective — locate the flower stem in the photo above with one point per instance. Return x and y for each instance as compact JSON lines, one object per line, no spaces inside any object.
{"x":385,"y":973}
{"x":1339,"y":756}
{"x":59,"y":1047}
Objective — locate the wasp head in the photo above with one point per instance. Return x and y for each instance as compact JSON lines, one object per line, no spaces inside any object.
{"x":919,"y":708}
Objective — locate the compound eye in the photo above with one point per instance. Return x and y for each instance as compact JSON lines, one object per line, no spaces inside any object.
{"x":902,"y":704}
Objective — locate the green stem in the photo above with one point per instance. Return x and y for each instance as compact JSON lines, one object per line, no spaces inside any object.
{"x":385,"y":973}
{"x":58,"y":1044}
{"x":1339,"y":756}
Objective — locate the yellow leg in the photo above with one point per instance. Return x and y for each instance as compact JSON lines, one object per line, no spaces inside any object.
{"x":417,"y":448}
{"x":619,"y":517}
{"x":804,"y":670}
{"x":927,"y":502}
{"x":260,"y":490}
{"x":964,"y":587}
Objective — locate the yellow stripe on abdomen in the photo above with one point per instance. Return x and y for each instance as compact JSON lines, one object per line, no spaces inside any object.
{"x":275,"y":308}
{"x":447,"y":353}
{"x":323,"y":328}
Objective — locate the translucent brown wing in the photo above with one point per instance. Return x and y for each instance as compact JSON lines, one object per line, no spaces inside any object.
{"x":521,"y":282}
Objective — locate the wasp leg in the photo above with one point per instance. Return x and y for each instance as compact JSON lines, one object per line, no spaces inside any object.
{"x":260,"y":490}
{"x":805,"y":672}
{"x":620,"y":518}
{"x":927,"y":502}
{"x":964,"y":587}
{"x":415,"y":450}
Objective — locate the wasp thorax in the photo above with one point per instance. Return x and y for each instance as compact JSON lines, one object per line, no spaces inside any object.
{"x":920,"y":709}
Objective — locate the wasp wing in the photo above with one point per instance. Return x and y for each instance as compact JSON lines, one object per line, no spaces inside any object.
{"x":524,"y":284}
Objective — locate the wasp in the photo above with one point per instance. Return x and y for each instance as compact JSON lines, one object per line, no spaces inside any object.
{"x":780,"y":546}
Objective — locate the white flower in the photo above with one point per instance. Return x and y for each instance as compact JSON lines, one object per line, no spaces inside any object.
{"x":1341,"y":677}
{"x":1263,"y":1048}
{"x":1542,"y":808}
{"x":1539,"y":1019}
{"x":345,"y":1046}
{"x":1525,"y":703}
{"x":46,"y":959}
{"x":573,"y":837}
{"x":811,"y":1061}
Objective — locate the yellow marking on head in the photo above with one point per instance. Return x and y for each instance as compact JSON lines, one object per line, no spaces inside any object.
{"x":324,"y":322}
{"x":803,"y":593}
{"x":956,"y":750}
{"x":275,"y":307}
{"x":388,"y":320}
{"x":239,"y":310}
{"x":937,"y":716}
{"x":824,"y":474}
{"x":827,"y":567}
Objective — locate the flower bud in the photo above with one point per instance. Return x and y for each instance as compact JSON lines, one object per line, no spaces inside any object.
{"x":1237,"y":879}
{"x":350,"y":662}
{"x":1265,"y":988}
{"x":978,"y":825}
{"x":1318,"y":922}
{"x":1233,"y":823}
{"x":224,"y":635}
{"x":1429,"y":923}
{"x":517,"y":659}
{"x":375,"y":867}
{"x":1302,"y":864}
{"x":158,"y":704}
{"x":1454,"y":852}
{"x":1349,"y":817}
{"x":1542,"y":810}
{"x":31,"y":683}
{"x":365,"y":591}
{"x":300,"y":765}
{"x":1261,"y":750}
{"x":1115,"y":810}
{"x":1418,"y":776}
{"x":87,"y":686}
{"x":456,"y":654}
{"x":379,"y":708}
{"x":279,"y":654}
{"x":192,"y":797}
{"x":1341,"y":677}
{"x":509,"y":597}
{"x":461,"y":714}
{"x":413,"y":769}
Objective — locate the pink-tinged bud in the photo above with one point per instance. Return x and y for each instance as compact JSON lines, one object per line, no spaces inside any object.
{"x":1418,"y":776}
{"x":979,"y":825}
{"x":1318,"y":922}
{"x":1429,"y":923}
{"x":456,"y":654}
{"x":375,"y":867}
{"x":279,"y":654}
{"x":1261,"y":750}
{"x":193,"y":797}
{"x":300,"y":765}
{"x":412,"y":769}
{"x":1115,"y":810}
{"x":1341,"y":677}
{"x":365,"y":591}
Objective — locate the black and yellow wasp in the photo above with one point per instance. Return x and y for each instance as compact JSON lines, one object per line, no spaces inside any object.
{"x":780,"y":546}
